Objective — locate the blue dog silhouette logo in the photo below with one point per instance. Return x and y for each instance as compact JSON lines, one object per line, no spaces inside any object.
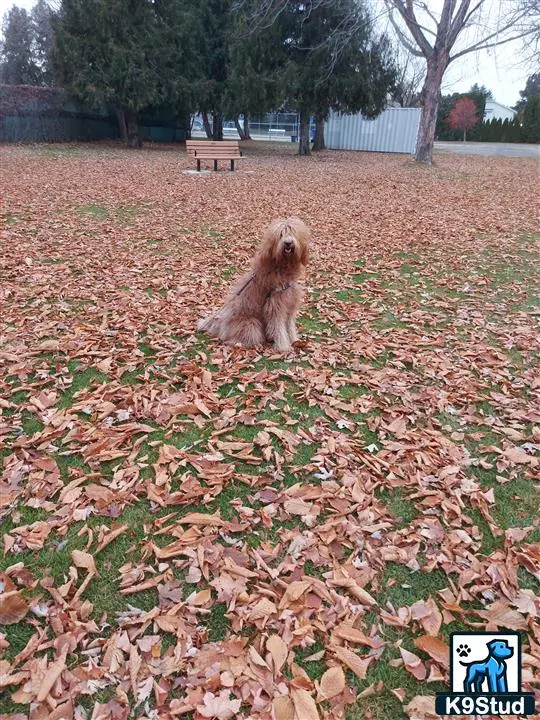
{"x":492,"y":669}
{"x":485,"y":676}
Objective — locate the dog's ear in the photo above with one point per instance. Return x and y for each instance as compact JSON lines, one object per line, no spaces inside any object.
{"x":303,"y":234}
{"x":266,"y":254}
{"x":304,"y":253}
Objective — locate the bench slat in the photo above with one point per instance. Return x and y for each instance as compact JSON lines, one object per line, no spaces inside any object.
{"x":214,"y":150}
{"x":212,"y":156}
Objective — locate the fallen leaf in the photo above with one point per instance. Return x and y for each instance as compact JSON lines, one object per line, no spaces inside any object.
{"x":13,"y":608}
{"x":278,"y":651}
{"x":332,"y":683}
{"x":413,"y":664}
{"x":304,"y":705}
{"x":358,"y":664}
{"x":435,"y":648}
{"x":220,"y":707}
{"x":84,"y":560}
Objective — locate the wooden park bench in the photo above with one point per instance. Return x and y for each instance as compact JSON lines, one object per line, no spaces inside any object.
{"x":214,"y":150}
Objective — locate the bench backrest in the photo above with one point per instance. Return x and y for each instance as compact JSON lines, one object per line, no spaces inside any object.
{"x":225,"y":146}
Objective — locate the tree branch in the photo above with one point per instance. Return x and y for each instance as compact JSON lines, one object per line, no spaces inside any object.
{"x":407,"y":13}
{"x":484,"y":43}
{"x":399,"y":32}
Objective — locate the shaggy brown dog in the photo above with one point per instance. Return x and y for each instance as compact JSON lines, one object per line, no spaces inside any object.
{"x":263,"y":305}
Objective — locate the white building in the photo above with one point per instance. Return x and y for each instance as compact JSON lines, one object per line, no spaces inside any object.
{"x":496,"y":111}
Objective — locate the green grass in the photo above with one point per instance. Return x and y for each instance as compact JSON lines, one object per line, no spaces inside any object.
{"x":99,"y":212}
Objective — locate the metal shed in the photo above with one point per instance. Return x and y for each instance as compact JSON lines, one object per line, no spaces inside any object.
{"x":394,"y":130}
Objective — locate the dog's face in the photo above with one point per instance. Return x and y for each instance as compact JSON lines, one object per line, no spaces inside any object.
{"x":500,"y":649}
{"x":286,"y":243}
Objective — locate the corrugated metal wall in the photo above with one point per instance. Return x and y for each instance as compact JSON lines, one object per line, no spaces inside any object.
{"x":394,"y":130}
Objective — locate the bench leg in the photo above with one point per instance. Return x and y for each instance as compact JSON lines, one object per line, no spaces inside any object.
{"x":215,"y":165}
{"x":232,"y":165}
{"x":198,"y":166}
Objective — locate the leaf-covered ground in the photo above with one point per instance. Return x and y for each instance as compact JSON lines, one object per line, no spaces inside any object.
{"x":196,"y":531}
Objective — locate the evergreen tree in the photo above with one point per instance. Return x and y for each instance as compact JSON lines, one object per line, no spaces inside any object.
{"x":42,"y":40}
{"x":332,"y":61}
{"x":108,"y":51}
{"x":18,"y":66}
{"x":532,"y":87}
{"x":215,"y":20}
{"x":180,"y":35}
{"x":531,"y":119}
{"x":255,"y":70}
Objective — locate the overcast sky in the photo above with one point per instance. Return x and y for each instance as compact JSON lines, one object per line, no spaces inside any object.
{"x":499,"y":69}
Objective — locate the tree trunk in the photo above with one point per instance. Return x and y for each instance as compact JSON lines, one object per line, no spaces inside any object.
{"x":217,"y":126}
{"x":189,"y":126}
{"x":207,"y":126}
{"x":430,"y":103}
{"x":318,"y":143}
{"x":247,"y":134}
{"x":464,"y":136}
{"x":304,"y":147}
{"x":239,"y":129}
{"x":133,"y":138}
{"x":121,"y":117}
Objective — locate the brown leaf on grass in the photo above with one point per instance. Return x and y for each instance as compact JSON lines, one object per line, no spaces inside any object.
{"x":293,"y":592}
{"x":398,"y":427}
{"x":347,"y":632}
{"x":220,"y":707}
{"x":54,"y":671}
{"x":135,"y":662}
{"x":341,"y":579}
{"x":518,"y":456}
{"x":278,"y":651}
{"x":428,"y":615}
{"x":282,"y":708}
{"x":413,"y":664}
{"x":332,"y":683}
{"x":358,"y":664}
{"x":13,"y":607}
{"x":435,"y":648}
{"x":84,"y":560}
{"x":203,"y":519}
{"x":422,"y":707}
{"x":304,"y":705}
{"x":501,"y":615}
{"x":110,"y":536}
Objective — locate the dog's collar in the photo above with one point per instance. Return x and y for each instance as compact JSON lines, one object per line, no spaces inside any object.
{"x":281,"y":288}
{"x":278,"y":288}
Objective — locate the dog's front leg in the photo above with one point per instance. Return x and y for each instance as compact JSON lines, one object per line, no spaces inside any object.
{"x":277,"y":332}
{"x":276,"y":324}
{"x":291,"y":330}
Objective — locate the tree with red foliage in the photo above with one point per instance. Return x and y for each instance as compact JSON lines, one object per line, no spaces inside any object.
{"x":463,"y":116}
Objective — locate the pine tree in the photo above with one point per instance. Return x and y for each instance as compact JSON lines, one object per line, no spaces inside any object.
{"x":331,"y":60}
{"x":108,"y":51}
{"x":255,"y":69}
{"x":531,"y":119}
{"x":42,"y":41}
{"x":18,"y":66}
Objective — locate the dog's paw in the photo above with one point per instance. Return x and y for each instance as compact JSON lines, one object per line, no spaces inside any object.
{"x":463,"y":650}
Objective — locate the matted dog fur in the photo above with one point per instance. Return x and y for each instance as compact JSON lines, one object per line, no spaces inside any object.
{"x":263,"y":305}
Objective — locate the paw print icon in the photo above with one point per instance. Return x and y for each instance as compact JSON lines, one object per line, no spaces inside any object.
{"x":463,"y":650}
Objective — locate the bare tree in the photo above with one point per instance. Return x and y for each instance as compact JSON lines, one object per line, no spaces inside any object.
{"x":530,"y":24}
{"x":411,"y":72}
{"x":459,"y":28}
